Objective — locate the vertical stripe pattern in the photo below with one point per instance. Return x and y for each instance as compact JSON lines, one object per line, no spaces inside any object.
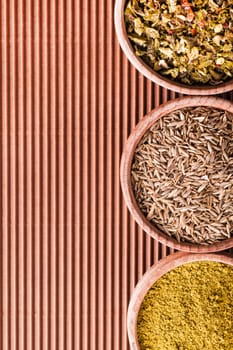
{"x":70,"y":252}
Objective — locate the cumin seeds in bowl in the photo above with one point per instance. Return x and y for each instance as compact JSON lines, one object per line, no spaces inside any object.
{"x":181,"y":177}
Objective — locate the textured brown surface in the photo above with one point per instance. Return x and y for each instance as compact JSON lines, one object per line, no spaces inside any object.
{"x":70,"y":253}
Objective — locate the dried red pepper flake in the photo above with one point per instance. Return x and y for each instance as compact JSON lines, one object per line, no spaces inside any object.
{"x":194,"y":31}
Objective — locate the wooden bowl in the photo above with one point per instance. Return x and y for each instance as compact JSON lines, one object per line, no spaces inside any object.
{"x":152,"y":275}
{"x":148,"y":72}
{"x":126,"y":162}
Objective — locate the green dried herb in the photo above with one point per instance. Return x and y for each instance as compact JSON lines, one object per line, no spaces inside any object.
{"x":189,"y":308}
{"x":191,"y":42}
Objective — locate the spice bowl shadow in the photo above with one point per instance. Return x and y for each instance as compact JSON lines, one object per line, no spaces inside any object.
{"x":164,"y":266}
{"x":149,"y":73}
{"x":126,"y":163}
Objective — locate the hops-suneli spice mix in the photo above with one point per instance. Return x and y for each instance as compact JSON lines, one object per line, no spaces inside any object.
{"x":187,"y":41}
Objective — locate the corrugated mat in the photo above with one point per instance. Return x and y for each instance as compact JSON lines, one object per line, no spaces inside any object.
{"x":70,"y":252}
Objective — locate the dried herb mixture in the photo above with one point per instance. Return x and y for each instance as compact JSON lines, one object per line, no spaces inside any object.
{"x":189,"y":308}
{"x":191,"y":42}
{"x":182,"y":174}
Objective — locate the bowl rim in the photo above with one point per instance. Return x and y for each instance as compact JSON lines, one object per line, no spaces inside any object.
{"x":125,"y":170}
{"x":152,"y":275}
{"x":148,"y":72}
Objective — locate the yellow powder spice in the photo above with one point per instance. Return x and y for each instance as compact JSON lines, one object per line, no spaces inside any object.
{"x":189,"y":308}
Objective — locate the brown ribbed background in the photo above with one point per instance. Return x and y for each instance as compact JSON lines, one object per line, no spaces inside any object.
{"x":70,"y":252}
